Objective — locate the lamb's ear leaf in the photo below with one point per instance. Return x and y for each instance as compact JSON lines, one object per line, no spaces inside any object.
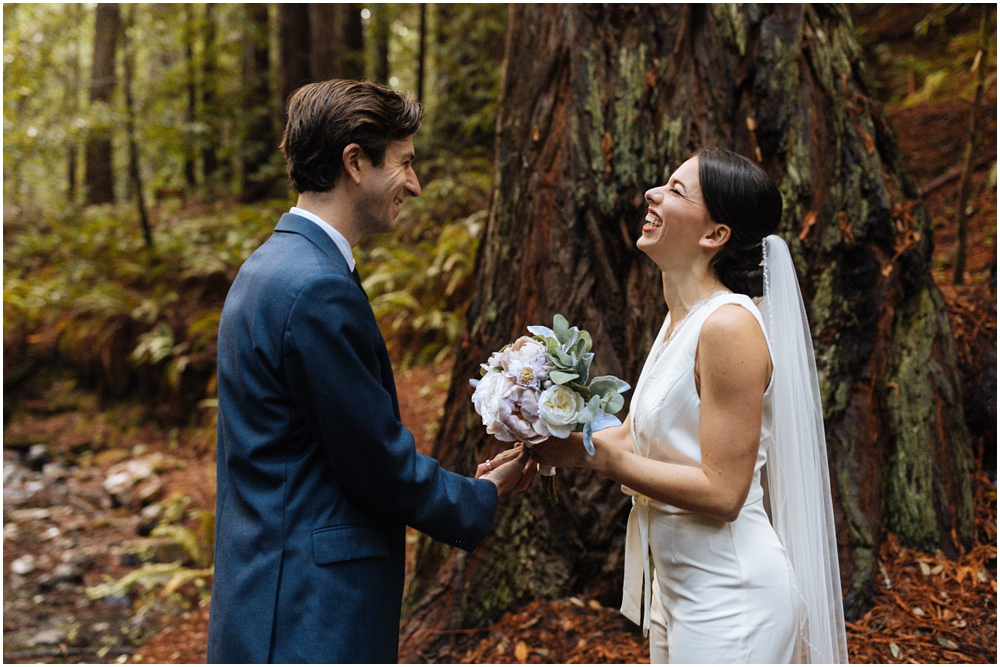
{"x":561,"y":359}
{"x":544,"y":332}
{"x":561,"y":328}
{"x":583,"y":368}
{"x":606,"y":382}
{"x":588,"y":440}
{"x":559,"y":377}
{"x":603,"y":421}
{"x":615,"y":403}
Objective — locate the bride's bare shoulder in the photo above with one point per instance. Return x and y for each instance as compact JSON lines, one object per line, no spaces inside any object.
{"x":732,"y":328}
{"x":730,"y":319}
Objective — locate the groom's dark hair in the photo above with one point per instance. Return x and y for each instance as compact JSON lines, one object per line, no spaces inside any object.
{"x":324,"y":117}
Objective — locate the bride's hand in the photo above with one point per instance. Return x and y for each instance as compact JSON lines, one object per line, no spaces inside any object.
{"x":560,"y":452}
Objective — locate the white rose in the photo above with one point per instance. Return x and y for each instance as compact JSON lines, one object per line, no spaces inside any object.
{"x":488,"y":395}
{"x":558,"y":407}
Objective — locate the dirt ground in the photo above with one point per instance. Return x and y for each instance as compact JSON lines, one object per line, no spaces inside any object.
{"x":80,"y":479}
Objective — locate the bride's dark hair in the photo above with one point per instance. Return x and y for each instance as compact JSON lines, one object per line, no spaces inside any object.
{"x":740,"y":195}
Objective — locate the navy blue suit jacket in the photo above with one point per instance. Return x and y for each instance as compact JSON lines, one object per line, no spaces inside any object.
{"x":317,"y":477}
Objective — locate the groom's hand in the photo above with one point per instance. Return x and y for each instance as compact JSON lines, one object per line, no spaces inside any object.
{"x":511,"y":470}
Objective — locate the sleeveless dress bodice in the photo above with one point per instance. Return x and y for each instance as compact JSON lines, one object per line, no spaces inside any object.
{"x":722,"y":591}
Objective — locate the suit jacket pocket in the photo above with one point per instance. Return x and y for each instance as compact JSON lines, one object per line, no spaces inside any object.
{"x":342,"y":543}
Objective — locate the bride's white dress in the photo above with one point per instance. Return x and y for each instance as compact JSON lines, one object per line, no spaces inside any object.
{"x":723,"y":592}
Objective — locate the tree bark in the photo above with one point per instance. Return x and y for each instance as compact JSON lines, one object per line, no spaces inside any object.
{"x":190,"y":164}
{"x":422,"y":52}
{"x":326,"y":46}
{"x":135,"y":172}
{"x":294,"y":47}
{"x":606,"y":102}
{"x":353,"y":34}
{"x":958,"y":276}
{"x":259,"y":138}
{"x":468,"y":52}
{"x":73,"y":105}
{"x":209,"y":156}
{"x":380,"y":35}
{"x":99,"y":178}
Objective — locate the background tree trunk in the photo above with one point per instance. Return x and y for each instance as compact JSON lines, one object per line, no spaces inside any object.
{"x":73,"y":107}
{"x":134,"y":168}
{"x":353,"y":34}
{"x":380,"y":36}
{"x":209,"y":157}
{"x":422,"y":52}
{"x":326,"y":45}
{"x":294,"y":47}
{"x":465,"y":35}
{"x":607,"y":101}
{"x":191,"y":156}
{"x":100,"y":179}
{"x":980,"y":65}
{"x":259,"y":142}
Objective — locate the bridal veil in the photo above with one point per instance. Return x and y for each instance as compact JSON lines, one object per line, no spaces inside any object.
{"x":797,"y":471}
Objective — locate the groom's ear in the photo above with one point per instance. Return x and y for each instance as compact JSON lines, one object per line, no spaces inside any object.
{"x":716,"y":237}
{"x":352,"y":157}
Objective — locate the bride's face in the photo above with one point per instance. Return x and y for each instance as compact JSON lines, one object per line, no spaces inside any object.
{"x":677,"y":219}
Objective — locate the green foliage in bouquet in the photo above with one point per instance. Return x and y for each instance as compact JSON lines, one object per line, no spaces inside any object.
{"x":569,"y":348}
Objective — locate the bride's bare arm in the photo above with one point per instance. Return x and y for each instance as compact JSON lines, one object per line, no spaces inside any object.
{"x":734,"y":368}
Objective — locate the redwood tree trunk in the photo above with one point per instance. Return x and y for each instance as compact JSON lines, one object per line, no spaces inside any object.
{"x":190,"y":164}
{"x":294,"y":48}
{"x":353,"y":33}
{"x":100,"y":179}
{"x":422,"y":52}
{"x":259,"y":141}
{"x":380,"y":35}
{"x":326,"y":46}
{"x":73,"y":104}
{"x":606,"y":102}
{"x":209,"y":156}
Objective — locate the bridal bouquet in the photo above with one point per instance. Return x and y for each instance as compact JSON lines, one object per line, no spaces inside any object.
{"x":536,"y":388}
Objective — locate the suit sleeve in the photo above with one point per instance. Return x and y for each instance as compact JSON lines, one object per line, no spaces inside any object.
{"x":332,"y":366}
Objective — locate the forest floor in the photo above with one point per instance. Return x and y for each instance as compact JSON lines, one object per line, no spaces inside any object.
{"x":88,"y":578}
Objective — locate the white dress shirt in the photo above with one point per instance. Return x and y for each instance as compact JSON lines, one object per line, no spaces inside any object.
{"x":338,"y":238}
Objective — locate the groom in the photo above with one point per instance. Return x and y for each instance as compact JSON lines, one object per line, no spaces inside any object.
{"x":317,"y":477}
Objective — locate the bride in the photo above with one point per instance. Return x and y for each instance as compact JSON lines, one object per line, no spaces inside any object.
{"x":723,"y":451}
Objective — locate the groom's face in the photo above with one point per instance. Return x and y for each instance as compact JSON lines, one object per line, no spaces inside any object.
{"x":384,"y":188}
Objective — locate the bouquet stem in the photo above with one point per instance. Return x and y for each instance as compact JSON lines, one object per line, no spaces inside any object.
{"x":548,"y":474}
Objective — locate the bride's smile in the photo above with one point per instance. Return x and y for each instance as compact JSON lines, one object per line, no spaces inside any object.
{"x":653,"y":221}
{"x":676,"y":211}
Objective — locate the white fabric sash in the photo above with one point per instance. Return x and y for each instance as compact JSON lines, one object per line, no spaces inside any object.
{"x":637,"y":591}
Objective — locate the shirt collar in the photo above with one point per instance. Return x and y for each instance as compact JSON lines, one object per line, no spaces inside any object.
{"x":338,"y":238}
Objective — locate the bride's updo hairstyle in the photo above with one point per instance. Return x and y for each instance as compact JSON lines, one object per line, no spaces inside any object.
{"x":740,"y":195}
